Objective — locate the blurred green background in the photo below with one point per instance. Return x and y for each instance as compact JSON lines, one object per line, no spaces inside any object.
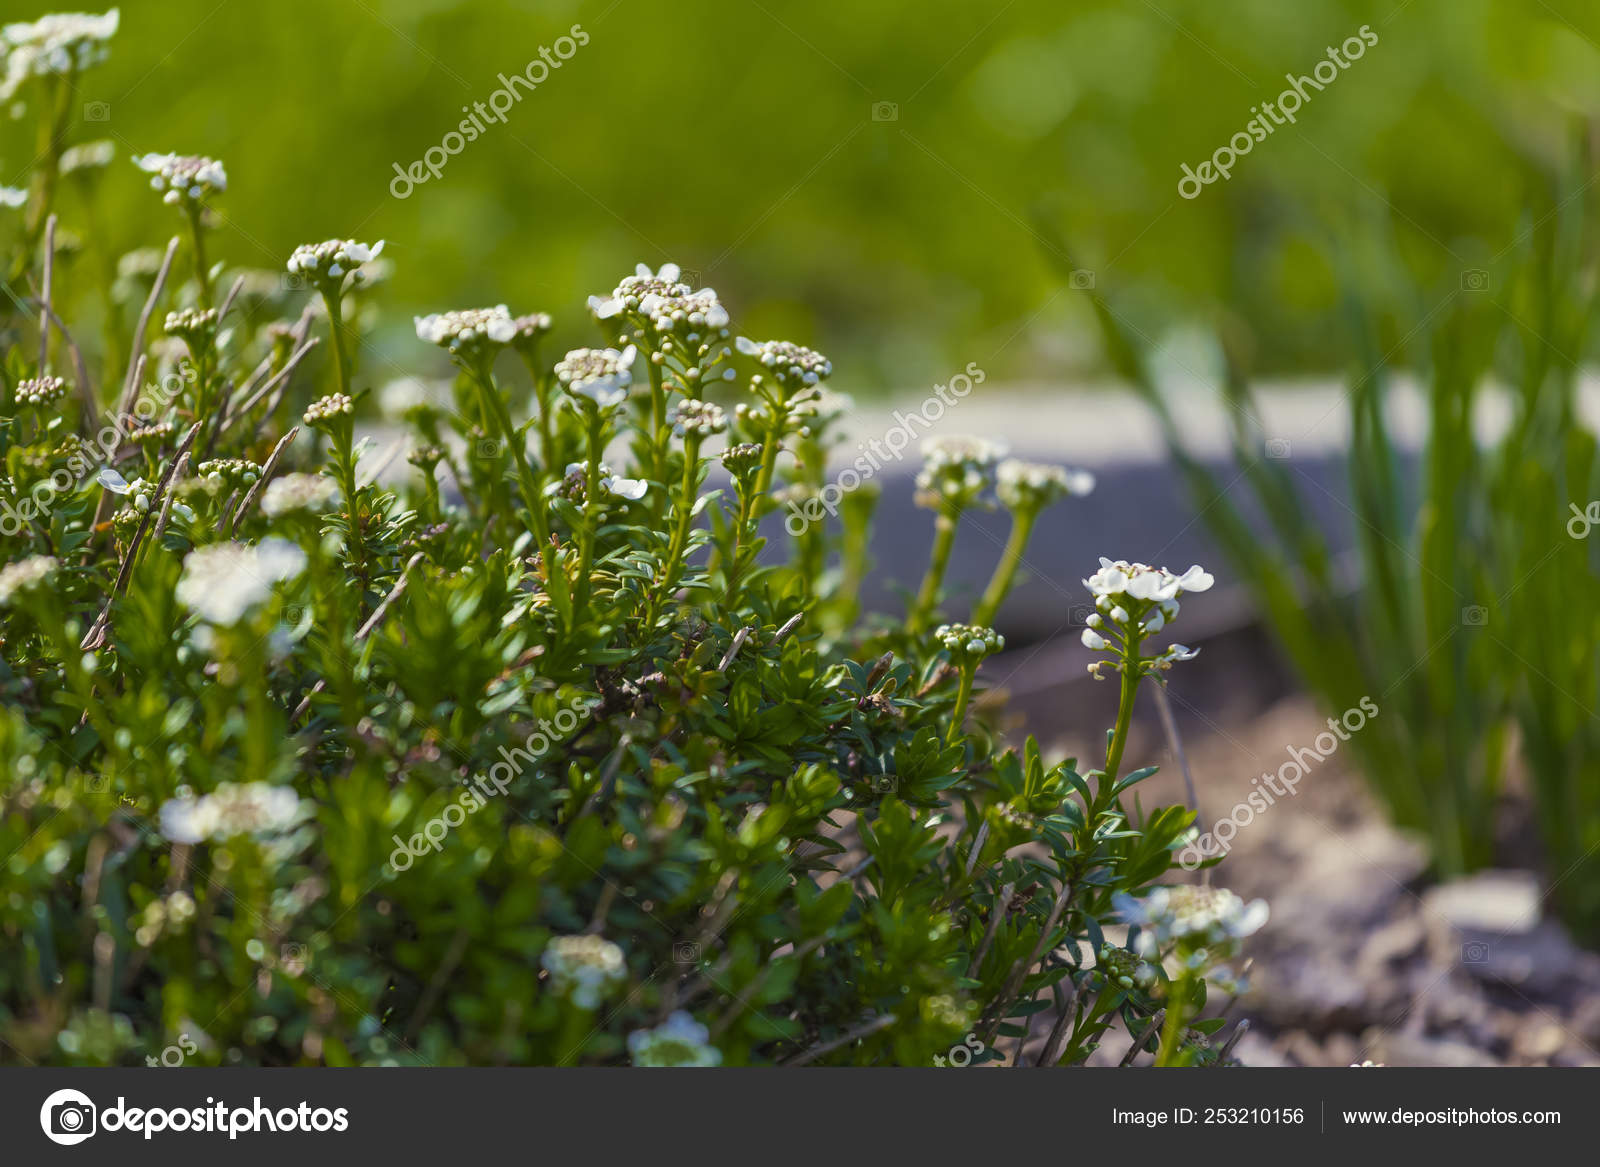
{"x":743,"y":139}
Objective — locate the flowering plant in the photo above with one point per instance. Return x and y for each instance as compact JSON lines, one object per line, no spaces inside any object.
{"x":529,"y":753}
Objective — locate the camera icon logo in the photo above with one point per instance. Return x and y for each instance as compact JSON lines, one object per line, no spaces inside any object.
{"x":1078,"y":615}
{"x":1474,"y":615}
{"x":1278,"y":449}
{"x":293,"y":958}
{"x":1081,"y":280}
{"x":686,"y":952}
{"x":67,"y":1117}
{"x":489,"y":447}
{"x":1474,"y":952}
{"x":293,"y":281}
{"x":885,"y":111}
{"x":97,"y":783}
{"x":1475,"y":280}
{"x":96,"y":111}
{"x":884,"y":783}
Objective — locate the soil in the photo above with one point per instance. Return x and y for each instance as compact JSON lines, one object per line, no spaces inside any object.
{"x":1366,"y":955}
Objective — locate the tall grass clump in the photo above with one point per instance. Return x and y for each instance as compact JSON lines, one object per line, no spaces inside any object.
{"x":1469,"y":608}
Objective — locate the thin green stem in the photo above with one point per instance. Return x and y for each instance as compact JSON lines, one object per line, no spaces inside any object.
{"x":963,"y":695}
{"x":680,"y":533}
{"x":591,"y":516}
{"x":944,"y":537}
{"x":497,"y":415}
{"x":1005,"y":571}
{"x":202,"y":271}
{"x":1130,"y":690}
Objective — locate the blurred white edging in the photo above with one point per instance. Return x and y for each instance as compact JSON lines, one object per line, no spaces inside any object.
{"x":1097,"y":426}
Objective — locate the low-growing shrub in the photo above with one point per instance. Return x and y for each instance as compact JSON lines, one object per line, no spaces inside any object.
{"x":533,"y":757}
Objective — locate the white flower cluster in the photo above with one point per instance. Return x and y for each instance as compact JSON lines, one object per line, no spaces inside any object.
{"x":631,"y":293}
{"x":789,"y":363}
{"x":41,"y":391}
{"x":332,"y":259}
{"x":968,"y":643}
{"x":139,"y":492}
{"x":184,"y":178}
{"x":681,"y":1041}
{"x":664,"y":300}
{"x":1209,"y":920}
{"x":597,"y":375}
{"x":88,"y":156}
{"x":25,"y":575}
{"x":62,"y":42}
{"x":251,"y":808}
{"x":468,"y":332}
{"x":192,"y":324}
{"x":222,"y":583}
{"x":1134,"y":597}
{"x":533,"y":325}
{"x":955,"y":472}
{"x":1030,"y":486}
{"x":1124,"y":968}
{"x":700,"y":418}
{"x":311,"y":493}
{"x":742,"y":459}
{"x":228,"y":473}
{"x":585,"y":967}
{"x":326,"y":410}
{"x":574,"y":482}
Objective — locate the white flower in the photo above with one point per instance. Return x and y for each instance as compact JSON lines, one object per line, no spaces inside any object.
{"x":631,"y":293}
{"x":1028,"y":486}
{"x":252,"y":808}
{"x":681,"y":1041}
{"x":1138,"y":581}
{"x":1209,"y":918}
{"x":586,"y":967}
{"x":41,"y":390}
{"x":223,"y":582}
{"x":88,"y":156}
{"x":468,"y":331}
{"x":183,"y":177}
{"x":13,"y":197}
{"x":1092,"y":639}
{"x":700,"y":418}
{"x":112,"y":481}
{"x":601,"y":376}
{"x":632,"y":489}
{"x":25,"y":575}
{"x":787,"y":361}
{"x":400,"y":396}
{"x":968,"y":643}
{"x":956,"y":470}
{"x":299,"y":492}
{"x":571,"y":484}
{"x":332,"y":259}
{"x":62,"y":42}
